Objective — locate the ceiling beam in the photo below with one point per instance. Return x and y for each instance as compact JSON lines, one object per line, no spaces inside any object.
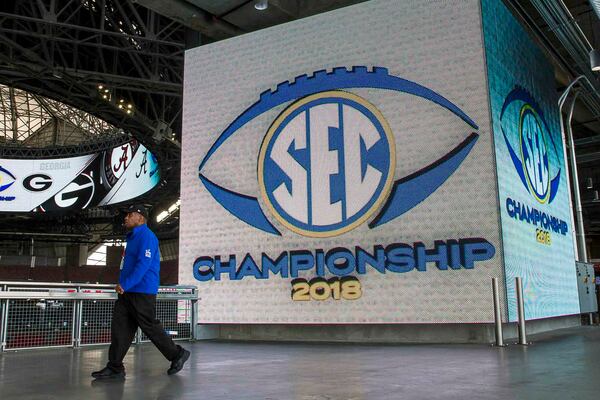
{"x":192,"y":17}
{"x":588,"y":157}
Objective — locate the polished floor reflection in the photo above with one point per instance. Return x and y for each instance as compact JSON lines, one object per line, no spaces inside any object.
{"x":564,"y":365}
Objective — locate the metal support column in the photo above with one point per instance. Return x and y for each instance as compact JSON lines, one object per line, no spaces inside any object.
{"x":571,"y":172}
{"x":497,"y":314}
{"x":3,"y":320}
{"x":77,"y":323}
{"x":4,"y":332}
{"x":194,"y":320}
{"x":521,"y":311}
{"x":581,"y":247}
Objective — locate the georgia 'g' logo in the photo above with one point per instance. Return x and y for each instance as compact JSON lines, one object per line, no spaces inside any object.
{"x":535,"y":148}
{"x":37,"y":182}
{"x":327,"y":162}
{"x":6,"y":179}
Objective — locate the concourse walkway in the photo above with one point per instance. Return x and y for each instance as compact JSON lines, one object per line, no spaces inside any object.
{"x":563,"y":365}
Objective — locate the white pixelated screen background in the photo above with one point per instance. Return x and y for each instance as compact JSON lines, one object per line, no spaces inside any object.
{"x":437,"y":44}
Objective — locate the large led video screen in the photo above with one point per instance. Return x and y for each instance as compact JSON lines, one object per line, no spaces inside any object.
{"x":62,"y":184}
{"x":537,"y":232}
{"x":339,"y":169}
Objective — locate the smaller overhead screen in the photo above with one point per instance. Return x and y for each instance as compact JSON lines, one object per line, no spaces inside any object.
{"x":61,"y":184}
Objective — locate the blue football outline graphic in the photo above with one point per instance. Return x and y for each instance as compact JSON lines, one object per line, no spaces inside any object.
{"x":406,"y":192}
{"x":521,"y":94}
{"x":6,"y":186}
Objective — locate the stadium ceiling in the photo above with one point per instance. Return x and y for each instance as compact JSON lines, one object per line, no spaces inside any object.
{"x":98,"y":55}
{"x":33,"y":126}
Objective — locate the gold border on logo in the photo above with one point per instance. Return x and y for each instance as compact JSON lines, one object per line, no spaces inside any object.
{"x":275,"y":125}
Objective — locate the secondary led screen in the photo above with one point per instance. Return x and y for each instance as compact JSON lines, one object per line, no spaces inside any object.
{"x":61,"y":184}
{"x":537,"y":232}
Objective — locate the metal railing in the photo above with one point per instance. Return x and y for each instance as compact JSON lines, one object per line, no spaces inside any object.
{"x":43,"y":315}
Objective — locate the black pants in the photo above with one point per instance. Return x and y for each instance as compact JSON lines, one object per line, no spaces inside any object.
{"x":130,"y":311}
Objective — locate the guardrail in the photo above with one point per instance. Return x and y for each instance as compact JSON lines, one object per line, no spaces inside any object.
{"x":45,"y":315}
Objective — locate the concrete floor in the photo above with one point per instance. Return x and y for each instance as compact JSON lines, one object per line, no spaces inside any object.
{"x":563,"y":365}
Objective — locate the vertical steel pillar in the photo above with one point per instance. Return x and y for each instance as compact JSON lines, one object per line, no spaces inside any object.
{"x":497,"y":314}
{"x":521,"y":311}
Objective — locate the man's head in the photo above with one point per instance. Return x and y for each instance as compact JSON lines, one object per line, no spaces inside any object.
{"x":136,"y":216}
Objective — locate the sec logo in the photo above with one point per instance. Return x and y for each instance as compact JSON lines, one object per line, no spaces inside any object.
{"x":6,"y":179}
{"x":534,"y":154}
{"x":531,"y":146}
{"x":326,"y":164}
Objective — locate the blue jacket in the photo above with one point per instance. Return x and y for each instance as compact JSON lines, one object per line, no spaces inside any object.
{"x":140,"y":271}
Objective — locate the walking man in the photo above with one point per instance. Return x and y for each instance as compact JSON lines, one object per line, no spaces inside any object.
{"x":136,"y":303}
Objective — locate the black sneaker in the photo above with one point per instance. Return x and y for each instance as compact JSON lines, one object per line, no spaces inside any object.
{"x":108,"y":373}
{"x":177,"y":364}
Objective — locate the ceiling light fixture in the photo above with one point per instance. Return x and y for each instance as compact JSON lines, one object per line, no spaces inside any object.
{"x":261,"y":5}
{"x":160,"y":217}
{"x":167,"y":213}
{"x":595,"y":60}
